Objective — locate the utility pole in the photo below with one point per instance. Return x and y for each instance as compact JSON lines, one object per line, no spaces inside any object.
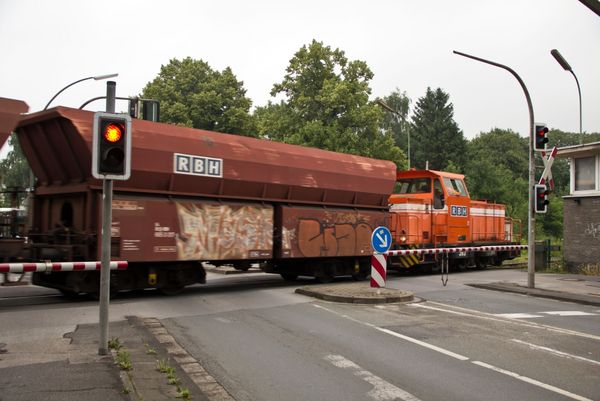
{"x":107,"y":189}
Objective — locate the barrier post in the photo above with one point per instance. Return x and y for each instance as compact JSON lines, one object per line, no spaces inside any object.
{"x":378,"y":270}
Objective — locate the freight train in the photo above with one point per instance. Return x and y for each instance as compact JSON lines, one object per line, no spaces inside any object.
{"x":197,"y":197}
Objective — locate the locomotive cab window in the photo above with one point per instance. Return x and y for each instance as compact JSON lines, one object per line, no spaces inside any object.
{"x":413,"y":186}
{"x":455,"y":187}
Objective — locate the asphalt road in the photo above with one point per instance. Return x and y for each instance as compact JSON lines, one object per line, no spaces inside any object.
{"x":263,"y":342}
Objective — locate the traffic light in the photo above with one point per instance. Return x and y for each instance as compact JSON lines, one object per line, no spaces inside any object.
{"x":541,"y":136}
{"x":111,"y":147}
{"x":541,"y":198}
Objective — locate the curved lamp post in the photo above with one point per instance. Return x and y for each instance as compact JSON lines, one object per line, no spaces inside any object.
{"x":563,"y":63}
{"x":97,"y":78}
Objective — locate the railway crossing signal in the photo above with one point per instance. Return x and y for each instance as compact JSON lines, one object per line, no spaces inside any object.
{"x":111,"y":142}
{"x":541,"y":136}
{"x":541,"y":198}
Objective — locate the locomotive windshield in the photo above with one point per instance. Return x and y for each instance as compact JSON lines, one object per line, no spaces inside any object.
{"x":413,"y":186}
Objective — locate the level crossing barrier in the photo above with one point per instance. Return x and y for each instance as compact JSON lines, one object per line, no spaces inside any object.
{"x":379,"y":261}
{"x":58,"y":266}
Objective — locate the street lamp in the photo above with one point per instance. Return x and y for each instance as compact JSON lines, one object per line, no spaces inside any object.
{"x":530,"y":214}
{"x":563,"y":63}
{"x":388,"y":108}
{"x":97,"y":78}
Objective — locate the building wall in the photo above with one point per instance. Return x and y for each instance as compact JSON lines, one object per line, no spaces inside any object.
{"x":581,"y":231}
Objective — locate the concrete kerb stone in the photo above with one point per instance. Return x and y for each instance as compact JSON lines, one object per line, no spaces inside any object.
{"x":541,"y":293}
{"x":356,"y":293}
{"x":210,"y":388}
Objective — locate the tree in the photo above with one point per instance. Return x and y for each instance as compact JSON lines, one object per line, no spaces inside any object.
{"x":194,"y":95}
{"x":435,"y":134}
{"x":14,"y":173}
{"x":327,"y":106}
{"x":397,"y":122}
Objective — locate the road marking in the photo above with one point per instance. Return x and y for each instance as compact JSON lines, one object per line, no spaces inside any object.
{"x":489,"y":316}
{"x":382,"y":390}
{"x":402,"y":336}
{"x":531,"y":381}
{"x":423,"y":344}
{"x":517,"y":315}
{"x":464,"y":358}
{"x":555,"y":352}
{"x":569,"y":313}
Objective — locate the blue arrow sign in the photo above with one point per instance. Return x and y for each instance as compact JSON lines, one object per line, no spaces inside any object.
{"x":381,"y":239}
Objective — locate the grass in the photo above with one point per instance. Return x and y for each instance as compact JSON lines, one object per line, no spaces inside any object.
{"x":115,"y":343}
{"x":123,"y":360}
{"x":163,"y":366}
{"x":150,"y":350}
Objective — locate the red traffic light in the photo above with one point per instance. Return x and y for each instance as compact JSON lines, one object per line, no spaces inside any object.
{"x":541,"y":137}
{"x":113,"y":132}
{"x":111,"y":158}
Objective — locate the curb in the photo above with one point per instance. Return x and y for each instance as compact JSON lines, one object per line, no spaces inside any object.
{"x":541,"y":293}
{"x":205,"y":382}
{"x":366,"y":297}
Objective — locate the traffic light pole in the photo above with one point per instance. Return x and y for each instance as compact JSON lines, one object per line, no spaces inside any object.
{"x":107,"y":190}
{"x":531,"y":214}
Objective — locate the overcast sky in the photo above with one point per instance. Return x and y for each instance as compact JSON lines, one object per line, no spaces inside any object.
{"x":45,"y":45}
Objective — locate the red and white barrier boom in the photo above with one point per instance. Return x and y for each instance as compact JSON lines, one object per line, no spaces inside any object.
{"x":57,"y":266}
{"x":433,"y":251}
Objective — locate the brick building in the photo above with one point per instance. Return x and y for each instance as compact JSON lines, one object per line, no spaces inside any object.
{"x":582,"y":205}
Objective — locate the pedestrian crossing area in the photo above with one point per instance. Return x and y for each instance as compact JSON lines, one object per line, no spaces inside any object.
{"x":562,"y":313}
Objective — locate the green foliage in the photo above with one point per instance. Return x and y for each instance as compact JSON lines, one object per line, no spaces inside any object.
{"x":497,"y":170}
{"x":150,"y":350}
{"x":123,"y":360}
{"x":435,"y":136}
{"x":550,"y":224}
{"x":327,"y":106}
{"x":183,"y":392}
{"x":163,"y":366}
{"x":192,"y":94}
{"x":397,"y":122}
{"x":114,"y":343}
{"x":14,"y":173}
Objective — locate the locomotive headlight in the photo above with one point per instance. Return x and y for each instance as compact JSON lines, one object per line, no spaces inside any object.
{"x":403,"y":237}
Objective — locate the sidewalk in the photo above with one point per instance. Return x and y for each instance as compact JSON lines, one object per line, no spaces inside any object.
{"x":76,"y":372}
{"x":563,"y":287}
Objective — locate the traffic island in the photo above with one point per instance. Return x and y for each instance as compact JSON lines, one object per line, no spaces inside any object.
{"x":355,"y":293}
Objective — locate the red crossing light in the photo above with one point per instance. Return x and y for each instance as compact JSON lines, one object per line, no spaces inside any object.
{"x":113,"y":132}
{"x":111,"y":158}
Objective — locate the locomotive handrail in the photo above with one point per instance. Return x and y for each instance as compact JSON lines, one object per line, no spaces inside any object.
{"x":58,"y":266}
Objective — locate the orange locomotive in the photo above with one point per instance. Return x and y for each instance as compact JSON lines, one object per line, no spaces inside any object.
{"x":431,"y":209}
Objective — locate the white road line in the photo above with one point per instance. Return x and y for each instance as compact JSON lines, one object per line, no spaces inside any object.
{"x":532,"y":381}
{"x":423,"y":344}
{"x":489,"y":316}
{"x":517,"y":315}
{"x":402,"y":336}
{"x":461,"y":357}
{"x":569,"y":313}
{"x":382,"y":390}
{"x":555,"y":352}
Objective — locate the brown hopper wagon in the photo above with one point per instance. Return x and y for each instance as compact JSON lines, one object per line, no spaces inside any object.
{"x":196,"y":196}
